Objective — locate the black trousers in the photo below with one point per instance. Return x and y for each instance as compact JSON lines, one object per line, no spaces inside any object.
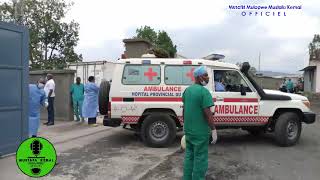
{"x":51,"y":110}
{"x":92,"y":120}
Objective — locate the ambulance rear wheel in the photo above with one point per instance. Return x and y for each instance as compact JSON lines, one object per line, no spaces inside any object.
{"x":158,"y":130}
{"x":288,"y":129}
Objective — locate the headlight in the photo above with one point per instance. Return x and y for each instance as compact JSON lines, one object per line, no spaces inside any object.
{"x":307,"y":103}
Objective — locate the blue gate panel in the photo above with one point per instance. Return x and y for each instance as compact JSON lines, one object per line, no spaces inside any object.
{"x":12,"y":89}
{"x":11,"y":129}
{"x":9,"y":42}
{"x":14,"y":75}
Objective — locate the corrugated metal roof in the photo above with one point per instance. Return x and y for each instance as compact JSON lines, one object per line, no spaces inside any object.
{"x":309,"y":68}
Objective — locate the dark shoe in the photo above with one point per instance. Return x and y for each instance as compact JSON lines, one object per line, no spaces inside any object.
{"x":46,"y":123}
{"x":33,"y":136}
{"x":50,"y":124}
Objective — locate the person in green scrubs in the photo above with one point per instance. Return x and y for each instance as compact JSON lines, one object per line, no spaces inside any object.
{"x":198,"y":123}
{"x":77,"y":93}
{"x":290,"y":86}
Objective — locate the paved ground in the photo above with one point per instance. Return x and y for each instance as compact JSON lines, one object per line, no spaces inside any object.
{"x":113,"y":153}
{"x":238,"y":155}
{"x":86,"y":152}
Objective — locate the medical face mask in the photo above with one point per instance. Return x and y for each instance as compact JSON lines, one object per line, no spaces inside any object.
{"x":40,"y":86}
{"x":203,"y":82}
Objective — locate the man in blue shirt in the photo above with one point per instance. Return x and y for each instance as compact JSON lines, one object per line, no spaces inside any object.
{"x":218,"y":82}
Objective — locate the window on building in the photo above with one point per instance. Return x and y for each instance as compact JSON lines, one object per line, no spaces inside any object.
{"x":141,"y":75}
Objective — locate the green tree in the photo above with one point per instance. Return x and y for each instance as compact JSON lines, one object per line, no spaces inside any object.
{"x":314,"y":48}
{"x":52,"y":39}
{"x":161,"y":41}
{"x":165,"y":42}
{"x":147,"y":33}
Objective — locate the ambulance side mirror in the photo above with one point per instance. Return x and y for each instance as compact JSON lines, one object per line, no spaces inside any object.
{"x":243,"y":90}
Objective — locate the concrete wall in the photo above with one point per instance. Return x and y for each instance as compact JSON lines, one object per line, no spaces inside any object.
{"x":136,"y":49}
{"x":317,"y":79}
{"x":268,"y":82}
{"x":310,"y":84}
{"x":63,"y":80}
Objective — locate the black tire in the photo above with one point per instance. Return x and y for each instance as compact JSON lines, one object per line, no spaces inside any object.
{"x":288,"y":129}
{"x":158,"y":130}
{"x":104,"y":97}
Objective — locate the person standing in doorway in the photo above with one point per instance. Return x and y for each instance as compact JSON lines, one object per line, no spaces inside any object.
{"x":198,"y":125}
{"x":77,"y":94}
{"x":49,"y":89}
{"x":37,"y":98}
{"x":90,"y":103}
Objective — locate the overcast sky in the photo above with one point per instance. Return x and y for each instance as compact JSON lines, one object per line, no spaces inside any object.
{"x":200,"y":27}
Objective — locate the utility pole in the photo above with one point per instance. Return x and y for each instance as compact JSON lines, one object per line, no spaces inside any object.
{"x":18,"y":11}
{"x":259,"y":61}
{"x":15,"y":10}
{"x":259,"y":68}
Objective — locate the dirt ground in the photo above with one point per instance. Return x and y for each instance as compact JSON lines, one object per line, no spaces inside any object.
{"x":240,"y":156}
{"x":237,"y":156}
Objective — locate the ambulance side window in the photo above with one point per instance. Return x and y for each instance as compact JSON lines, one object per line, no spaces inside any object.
{"x":179,"y":75}
{"x":141,"y":75}
{"x":229,"y":81}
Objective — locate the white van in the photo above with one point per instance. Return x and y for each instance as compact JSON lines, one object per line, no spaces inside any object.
{"x":145,"y":96}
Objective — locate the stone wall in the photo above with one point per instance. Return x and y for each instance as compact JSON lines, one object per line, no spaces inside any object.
{"x":62,"y":103}
{"x":268,"y":82}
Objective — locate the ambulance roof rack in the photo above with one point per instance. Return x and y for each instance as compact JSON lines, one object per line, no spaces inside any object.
{"x":214,"y":57}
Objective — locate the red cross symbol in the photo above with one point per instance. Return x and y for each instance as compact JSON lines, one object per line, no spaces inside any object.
{"x":190,"y":74}
{"x":150,"y":74}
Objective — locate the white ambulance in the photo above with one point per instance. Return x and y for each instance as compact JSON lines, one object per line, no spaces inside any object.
{"x":145,"y":96}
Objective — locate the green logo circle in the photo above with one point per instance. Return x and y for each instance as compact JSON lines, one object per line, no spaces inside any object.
{"x":36,"y":157}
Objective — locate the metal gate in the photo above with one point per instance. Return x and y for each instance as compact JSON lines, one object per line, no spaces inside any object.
{"x":14,"y":65}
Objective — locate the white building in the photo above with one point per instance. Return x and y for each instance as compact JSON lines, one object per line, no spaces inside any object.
{"x":312,"y":76}
{"x":101,"y":70}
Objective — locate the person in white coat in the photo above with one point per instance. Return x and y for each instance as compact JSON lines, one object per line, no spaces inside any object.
{"x":90,"y":103}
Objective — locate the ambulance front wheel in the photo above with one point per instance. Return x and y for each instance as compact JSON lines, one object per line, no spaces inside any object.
{"x":288,"y":129}
{"x":158,"y":130}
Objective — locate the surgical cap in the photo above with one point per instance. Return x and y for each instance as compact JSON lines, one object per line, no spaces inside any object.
{"x":199,"y":71}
